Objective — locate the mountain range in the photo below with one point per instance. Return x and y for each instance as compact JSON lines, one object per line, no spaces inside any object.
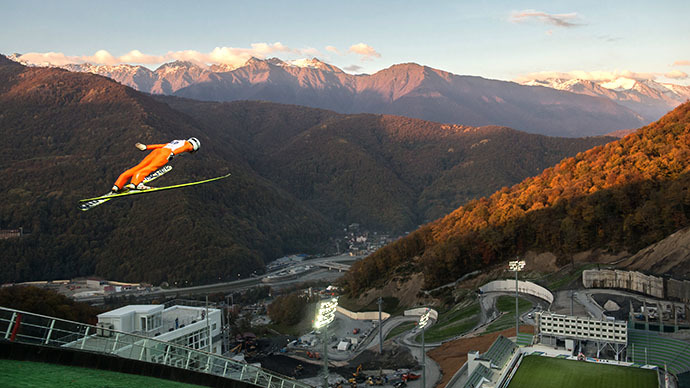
{"x":649,"y":98}
{"x":298,"y":175}
{"x":407,"y":89}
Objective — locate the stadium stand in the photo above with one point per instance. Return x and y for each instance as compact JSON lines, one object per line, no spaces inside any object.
{"x":481,"y":372}
{"x":500,"y":351}
{"x":524,"y":339}
{"x":660,"y":351}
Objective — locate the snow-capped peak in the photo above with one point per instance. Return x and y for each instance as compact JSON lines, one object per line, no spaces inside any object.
{"x":178,"y":65}
{"x":223,"y":67}
{"x":310,"y":63}
{"x":619,"y":84}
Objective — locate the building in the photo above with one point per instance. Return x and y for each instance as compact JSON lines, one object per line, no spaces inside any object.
{"x":553,"y":327}
{"x":182,"y":325}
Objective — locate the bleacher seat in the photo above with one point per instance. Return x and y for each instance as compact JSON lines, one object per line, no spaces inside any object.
{"x":479,"y":372}
{"x":660,"y":351}
{"x":500,"y":351}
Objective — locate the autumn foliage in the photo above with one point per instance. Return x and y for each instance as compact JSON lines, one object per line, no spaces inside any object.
{"x":623,"y":195}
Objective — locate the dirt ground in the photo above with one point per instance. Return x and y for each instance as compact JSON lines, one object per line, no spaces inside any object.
{"x":452,"y":355}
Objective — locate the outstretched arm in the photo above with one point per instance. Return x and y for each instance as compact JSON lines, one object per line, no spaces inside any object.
{"x":144,"y":147}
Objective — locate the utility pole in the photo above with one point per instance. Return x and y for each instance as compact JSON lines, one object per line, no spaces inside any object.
{"x":380,"y":328}
{"x":423,"y":322}
{"x":517,"y":266}
{"x":208,"y":329}
{"x":324,"y":317}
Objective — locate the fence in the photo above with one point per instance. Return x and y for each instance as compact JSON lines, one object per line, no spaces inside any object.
{"x":24,"y":327}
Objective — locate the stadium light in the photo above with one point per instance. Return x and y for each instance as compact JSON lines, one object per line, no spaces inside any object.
{"x":516,"y":266}
{"x":324,"y":317}
{"x":423,"y":323}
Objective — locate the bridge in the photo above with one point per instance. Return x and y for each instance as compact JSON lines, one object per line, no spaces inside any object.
{"x":332,"y":265}
{"x":27,"y":328}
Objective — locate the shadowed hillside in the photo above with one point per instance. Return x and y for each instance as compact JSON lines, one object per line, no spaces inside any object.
{"x":384,"y":172}
{"x":67,"y":136}
{"x":297,"y":175}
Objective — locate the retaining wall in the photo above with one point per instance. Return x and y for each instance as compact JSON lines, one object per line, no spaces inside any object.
{"x":627,"y":280}
{"x":433,"y":314}
{"x":367,"y":315}
{"x":523,"y":287}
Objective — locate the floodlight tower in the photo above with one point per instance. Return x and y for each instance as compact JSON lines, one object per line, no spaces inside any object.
{"x":516,"y":266}
{"x":324,"y":317}
{"x":423,"y":322}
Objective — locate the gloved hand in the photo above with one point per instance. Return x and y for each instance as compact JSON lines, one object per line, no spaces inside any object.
{"x":141,"y":147}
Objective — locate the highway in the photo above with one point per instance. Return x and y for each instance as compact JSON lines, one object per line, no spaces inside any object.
{"x":237,"y":285}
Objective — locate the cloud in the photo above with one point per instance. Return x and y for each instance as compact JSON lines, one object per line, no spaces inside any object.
{"x":353,"y":68}
{"x":367,"y":52}
{"x":333,"y":49}
{"x":599,"y":76}
{"x":681,"y":63}
{"x":559,"y":20}
{"x":676,"y":74}
{"x":136,"y":56}
{"x":310,"y":51}
{"x":220,"y":55}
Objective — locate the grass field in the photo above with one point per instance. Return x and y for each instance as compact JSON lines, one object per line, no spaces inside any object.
{"x":506,"y":304}
{"x":20,"y":374}
{"x":543,"y":372}
{"x":401,"y":328}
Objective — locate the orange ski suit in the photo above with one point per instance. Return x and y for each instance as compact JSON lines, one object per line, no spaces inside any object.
{"x":158,"y":158}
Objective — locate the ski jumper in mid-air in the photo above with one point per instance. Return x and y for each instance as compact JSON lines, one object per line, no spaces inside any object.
{"x":159,"y":157}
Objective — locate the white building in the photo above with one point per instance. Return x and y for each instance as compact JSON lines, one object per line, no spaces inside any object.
{"x":182,"y":325}
{"x":573,"y":329}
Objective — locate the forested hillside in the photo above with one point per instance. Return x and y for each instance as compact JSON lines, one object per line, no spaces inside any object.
{"x":298,"y":174}
{"x":623,"y":195}
{"x":387,"y":173}
{"x":67,"y":136}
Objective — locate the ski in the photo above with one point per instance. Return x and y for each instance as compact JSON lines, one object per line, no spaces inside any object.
{"x":152,"y":177}
{"x":136,"y":192}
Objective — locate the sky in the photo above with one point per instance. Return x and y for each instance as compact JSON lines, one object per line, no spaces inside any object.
{"x":506,"y":40}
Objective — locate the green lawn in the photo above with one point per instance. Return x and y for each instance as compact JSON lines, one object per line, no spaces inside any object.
{"x":401,"y":328}
{"x":506,"y":304}
{"x":543,"y":372}
{"x":452,"y":323}
{"x":19,"y":374}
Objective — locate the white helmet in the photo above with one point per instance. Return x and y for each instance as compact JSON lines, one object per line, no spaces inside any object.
{"x":196,"y":144}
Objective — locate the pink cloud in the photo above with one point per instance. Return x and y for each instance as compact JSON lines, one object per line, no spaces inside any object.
{"x":681,"y":63}
{"x":676,"y":74}
{"x":365,"y":51}
{"x":558,"y":20}
{"x":220,"y":55}
{"x":333,"y":50}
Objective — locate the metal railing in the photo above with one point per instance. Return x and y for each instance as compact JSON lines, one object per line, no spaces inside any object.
{"x":24,"y":327}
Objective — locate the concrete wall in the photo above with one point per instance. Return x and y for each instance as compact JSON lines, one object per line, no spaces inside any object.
{"x":368,"y":315}
{"x":626,"y":280}
{"x":433,"y":314}
{"x":523,"y":288}
{"x":678,"y":290}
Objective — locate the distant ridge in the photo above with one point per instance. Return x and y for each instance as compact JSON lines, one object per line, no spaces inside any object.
{"x":649,"y":98}
{"x":406,"y":89}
